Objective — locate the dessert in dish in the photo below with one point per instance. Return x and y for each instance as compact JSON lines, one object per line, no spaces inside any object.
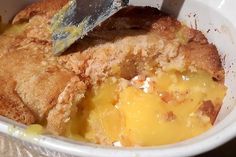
{"x":140,"y":79}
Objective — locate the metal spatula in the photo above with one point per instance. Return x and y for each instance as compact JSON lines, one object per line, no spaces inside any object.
{"x":78,"y":17}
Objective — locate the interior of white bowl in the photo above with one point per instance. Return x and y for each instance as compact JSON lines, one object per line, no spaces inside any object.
{"x":217,"y":20}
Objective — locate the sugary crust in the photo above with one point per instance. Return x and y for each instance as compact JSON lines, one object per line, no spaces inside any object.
{"x":204,"y":56}
{"x":124,"y":24}
{"x":11,"y":105}
{"x":125,"y":42}
{"x":137,"y":40}
{"x":38,"y":81}
{"x":66,"y":106}
{"x":4,"y":43}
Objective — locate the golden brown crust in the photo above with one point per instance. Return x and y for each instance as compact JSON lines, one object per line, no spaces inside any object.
{"x":4,"y":43}
{"x":66,"y":106}
{"x":38,"y":81}
{"x":125,"y":42}
{"x":11,"y":105}
{"x":204,"y":56}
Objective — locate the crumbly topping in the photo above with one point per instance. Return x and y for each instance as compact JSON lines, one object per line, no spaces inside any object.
{"x":66,"y":104}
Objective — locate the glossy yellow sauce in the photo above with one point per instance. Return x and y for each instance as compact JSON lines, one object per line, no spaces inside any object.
{"x":34,"y":129}
{"x":134,"y":116}
{"x":16,"y":29}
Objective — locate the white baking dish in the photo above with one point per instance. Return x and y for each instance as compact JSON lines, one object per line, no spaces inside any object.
{"x":217,"y":19}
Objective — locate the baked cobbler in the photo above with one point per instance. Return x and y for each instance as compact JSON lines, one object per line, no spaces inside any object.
{"x":140,"y":79}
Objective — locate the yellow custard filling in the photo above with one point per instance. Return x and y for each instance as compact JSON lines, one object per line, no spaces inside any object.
{"x":146,"y":111}
{"x":12,"y":30}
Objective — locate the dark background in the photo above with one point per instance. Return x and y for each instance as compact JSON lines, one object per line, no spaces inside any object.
{"x":227,"y":150}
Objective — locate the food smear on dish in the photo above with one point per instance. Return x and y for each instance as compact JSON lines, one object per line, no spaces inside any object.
{"x":34,"y":129}
{"x":140,"y":79}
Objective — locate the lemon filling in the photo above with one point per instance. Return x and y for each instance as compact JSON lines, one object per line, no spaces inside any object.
{"x":156,"y":110}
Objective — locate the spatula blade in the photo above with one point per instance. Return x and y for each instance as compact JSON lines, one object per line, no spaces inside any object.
{"x":78,"y":17}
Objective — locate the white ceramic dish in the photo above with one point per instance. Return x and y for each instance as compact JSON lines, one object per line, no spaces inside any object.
{"x":217,"y":19}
